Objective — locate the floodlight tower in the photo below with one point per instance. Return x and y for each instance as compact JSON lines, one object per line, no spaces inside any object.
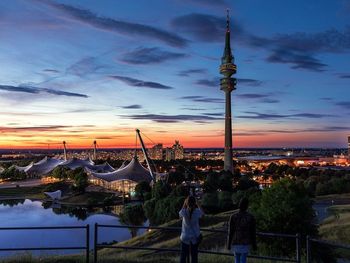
{"x":95,"y":151}
{"x":65,"y":150}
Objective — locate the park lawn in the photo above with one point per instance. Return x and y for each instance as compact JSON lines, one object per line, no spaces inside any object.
{"x":35,"y":192}
{"x":83,"y":199}
{"x":337,"y":226}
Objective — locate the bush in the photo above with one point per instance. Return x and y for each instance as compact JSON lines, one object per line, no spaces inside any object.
{"x":210,"y":203}
{"x":225,"y":201}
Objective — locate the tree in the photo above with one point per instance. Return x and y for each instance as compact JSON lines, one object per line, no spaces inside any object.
{"x":80,"y":179}
{"x":225,"y":201}
{"x":13,"y":174}
{"x":211,"y":183}
{"x":160,"y":190}
{"x":60,"y":172}
{"x":210,"y":202}
{"x":141,"y":188}
{"x":225,"y":182}
{"x":285,"y":207}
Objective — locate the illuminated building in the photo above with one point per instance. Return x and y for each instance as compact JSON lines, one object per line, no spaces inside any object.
{"x":156,"y":152}
{"x":178,"y":150}
{"x":169,"y":154}
{"x":227,"y":69}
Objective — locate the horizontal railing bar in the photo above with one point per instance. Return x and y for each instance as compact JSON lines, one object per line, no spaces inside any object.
{"x":42,"y":248}
{"x":200,"y":251}
{"x":43,"y":227}
{"x":202,"y":229}
{"x":329,"y":243}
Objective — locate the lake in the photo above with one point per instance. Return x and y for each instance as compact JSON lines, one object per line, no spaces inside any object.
{"x":27,"y":213}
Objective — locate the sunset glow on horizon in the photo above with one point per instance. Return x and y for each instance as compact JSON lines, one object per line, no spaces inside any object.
{"x":80,"y":71}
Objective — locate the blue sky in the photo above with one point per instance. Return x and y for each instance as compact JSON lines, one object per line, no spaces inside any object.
{"x":85,"y":70}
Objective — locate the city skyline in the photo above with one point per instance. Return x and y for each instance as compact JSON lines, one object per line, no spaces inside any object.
{"x":79,"y":71}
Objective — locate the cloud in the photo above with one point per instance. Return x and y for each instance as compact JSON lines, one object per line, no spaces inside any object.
{"x":326,"y":99}
{"x":84,"y":66}
{"x":297,"y":49}
{"x":44,"y":128}
{"x":152,"y":55}
{"x":209,"y":82}
{"x":343,"y":104}
{"x":133,"y":106}
{"x":203,"y":99}
{"x":249,"y":82}
{"x":49,"y":70}
{"x":201,"y":26}
{"x":344,"y":76}
{"x":117,"y":26}
{"x":171,"y":118}
{"x":267,"y":116}
{"x":37,"y":90}
{"x":141,"y":83}
{"x":210,"y":2}
{"x":252,"y":96}
{"x":297,"y":60}
{"x":262,"y":98}
{"x":186,"y":73}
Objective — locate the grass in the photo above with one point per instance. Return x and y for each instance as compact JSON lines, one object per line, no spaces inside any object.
{"x":332,"y":197}
{"x":34,"y":192}
{"x":337,"y":226}
{"x":83,"y":199}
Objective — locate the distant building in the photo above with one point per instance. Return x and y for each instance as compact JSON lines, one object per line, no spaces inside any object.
{"x":349,"y":146}
{"x":156,"y":152}
{"x":169,"y":154}
{"x":178,"y":150}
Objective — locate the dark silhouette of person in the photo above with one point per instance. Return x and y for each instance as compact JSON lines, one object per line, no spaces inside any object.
{"x":190,"y":231}
{"x":241,"y":232}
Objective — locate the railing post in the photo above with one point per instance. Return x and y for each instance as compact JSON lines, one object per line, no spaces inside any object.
{"x":95,"y":243}
{"x":87,"y":243}
{"x":298,"y":247}
{"x":308,"y":249}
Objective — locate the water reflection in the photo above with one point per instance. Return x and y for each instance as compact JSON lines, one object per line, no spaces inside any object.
{"x":24,"y":213}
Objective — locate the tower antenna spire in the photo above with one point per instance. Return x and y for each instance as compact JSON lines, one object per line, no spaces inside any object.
{"x":228,"y":20}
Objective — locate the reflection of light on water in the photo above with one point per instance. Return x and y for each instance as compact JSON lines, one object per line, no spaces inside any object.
{"x":32,"y":213}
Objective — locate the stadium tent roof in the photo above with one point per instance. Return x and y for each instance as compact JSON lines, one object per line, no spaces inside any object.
{"x":77,"y":163}
{"x":100,"y":168}
{"x":44,"y":166}
{"x":134,"y":171}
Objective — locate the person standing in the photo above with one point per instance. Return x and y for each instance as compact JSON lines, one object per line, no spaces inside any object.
{"x":241,"y":232}
{"x":190,"y":231}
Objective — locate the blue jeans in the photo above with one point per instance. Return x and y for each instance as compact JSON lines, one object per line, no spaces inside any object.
{"x":186,"y":250}
{"x":240,"y":252}
{"x":240,"y":257}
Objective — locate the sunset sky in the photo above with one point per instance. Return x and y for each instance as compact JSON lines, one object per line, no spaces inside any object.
{"x":85,"y":70}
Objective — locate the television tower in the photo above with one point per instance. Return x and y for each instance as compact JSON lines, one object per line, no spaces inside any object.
{"x":95,"y":146}
{"x":227,"y":84}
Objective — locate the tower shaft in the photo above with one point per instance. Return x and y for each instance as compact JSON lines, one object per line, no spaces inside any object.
{"x":227,"y":69}
{"x":228,"y":164}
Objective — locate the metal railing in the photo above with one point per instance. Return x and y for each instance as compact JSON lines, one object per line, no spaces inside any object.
{"x":309,"y":246}
{"x":86,"y":247}
{"x":97,"y":246}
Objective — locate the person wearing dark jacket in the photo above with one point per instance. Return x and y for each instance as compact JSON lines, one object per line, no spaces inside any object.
{"x":241,"y":232}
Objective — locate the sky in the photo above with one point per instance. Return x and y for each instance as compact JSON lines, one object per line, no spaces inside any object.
{"x":96,"y":70}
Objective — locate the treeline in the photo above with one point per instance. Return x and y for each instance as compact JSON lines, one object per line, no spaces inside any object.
{"x":316,"y":181}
